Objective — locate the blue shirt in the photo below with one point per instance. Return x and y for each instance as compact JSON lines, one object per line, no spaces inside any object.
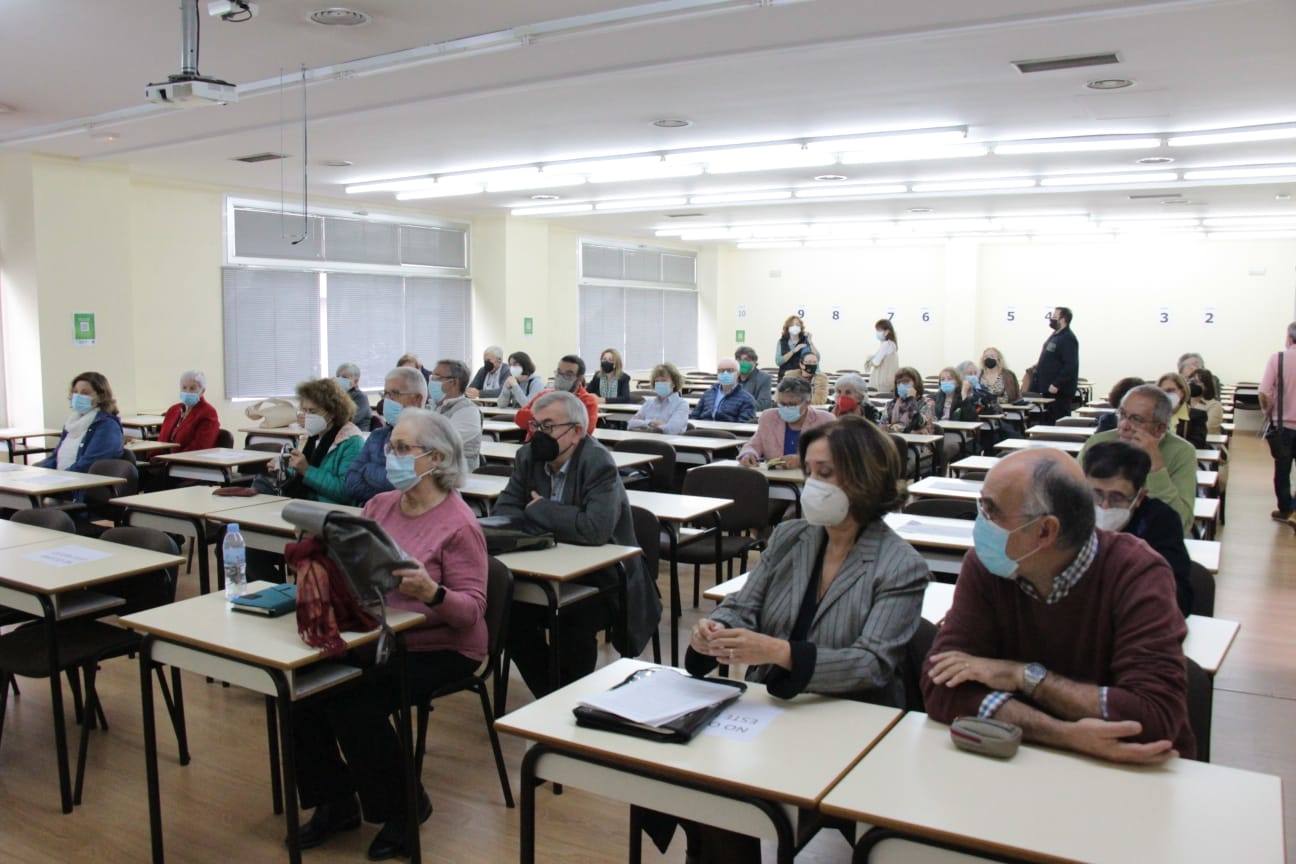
{"x":791,"y":437}
{"x":367,"y":475}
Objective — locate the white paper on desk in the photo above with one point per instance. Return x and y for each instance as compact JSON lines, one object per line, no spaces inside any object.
{"x":657,"y":699}
{"x":742,"y":721}
{"x":956,"y":531}
{"x":66,"y":556}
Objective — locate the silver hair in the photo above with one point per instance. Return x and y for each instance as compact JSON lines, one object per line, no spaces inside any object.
{"x":412,"y":380}
{"x":854,"y":381}
{"x":1054,"y":492}
{"x":1291,"y":331}
{"x":434,"y":433}
{"x":1191,"y":355}
{"x":494,"y":351}
{"x":194,"y":375}
{"x":348,"y":369}
{"x":458,"y":373}
{"x":798,"y":387}
{"x":576,"y":412}
{"x":1161,"y":409}
{"x":966,"y":368}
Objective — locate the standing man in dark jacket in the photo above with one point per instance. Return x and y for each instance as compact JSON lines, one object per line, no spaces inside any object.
{"x":566,"y":483}
{"x":1058,"y":368}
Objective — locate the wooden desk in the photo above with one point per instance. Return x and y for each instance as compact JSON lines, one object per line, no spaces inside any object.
{"x":16,"y":437}
{"x":35,"y":581}
{"x":506,"y":451}
{"x":147,"y":425}
{"x":23,"y":486}
{"x":145,"y":448}
{"x":220,"y":465}
{"x":262,"y":526}
{"x":493,"y":411}
{"x":544,"y":577}
{"x":17,"y":534}
{"x":672,"y":512}
{"x":916,"y":782}
{"x":744,"y":786}
{"x":946,"y":487}
{"x":283,"y":435}
{"x":782,"y":476}
{"x":1061,"y":433}
{"x":743,"y":429}
{"x":1206,"y":512}
{"x":483,"y":487}
{"x":1208,"y":457}
{"x":265,"y":655}
{"x":1094,"y":411}
{"x":974,"y":463}
{"x":496,"y":428}
{"x":708,"y":447}
{"x":1072,"y":447}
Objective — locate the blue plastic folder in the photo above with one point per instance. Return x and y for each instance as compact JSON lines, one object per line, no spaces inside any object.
{"x":270,"y":602}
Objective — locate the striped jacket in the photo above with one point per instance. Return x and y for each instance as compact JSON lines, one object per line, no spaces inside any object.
{"x":863,"y":623}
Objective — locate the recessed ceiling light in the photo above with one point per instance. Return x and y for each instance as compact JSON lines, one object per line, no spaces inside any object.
{"x":545,"y":197}
{"x":1179,"y":202}
{"x":830,"y":177}
{"x":337,"y":163}
{"x":338,"y":16}
{"x":1282,"y":196}
{"x":1109,"y":84}
{"x":672,"y":123}
{"x":1155,"y":160}
{"x":920,"y":210}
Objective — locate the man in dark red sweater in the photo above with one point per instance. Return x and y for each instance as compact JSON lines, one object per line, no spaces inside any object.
{"x":1070,"y":633}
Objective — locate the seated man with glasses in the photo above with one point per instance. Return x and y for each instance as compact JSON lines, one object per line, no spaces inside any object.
{"x":1143,"y":420}
{"x":566,"y":483}
{"x":1070,"y":632}
{"x":404,"y":387}
{"x":1117,"y":473}
{"x":569,"y":377}
{"x":446,"y":386}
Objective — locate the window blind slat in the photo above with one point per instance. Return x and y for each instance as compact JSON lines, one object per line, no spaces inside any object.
{"x":679,"y":269}
{"x":601,"y":262}
{"x":435,"y":247}
{"x":366,"y":323}
{"x":602,"y":321}
{"x":265,"y":234}
{"x":360,"y":242}
{"x":643,"y":315}
{"x":437,"y":318}
{"x":679,"y":327}
{"x":272,"y":329}
{"x":641,"y":265}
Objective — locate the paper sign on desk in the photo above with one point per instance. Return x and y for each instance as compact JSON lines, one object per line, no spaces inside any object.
{"x":66,"y":556}
{"x":742,"y":722}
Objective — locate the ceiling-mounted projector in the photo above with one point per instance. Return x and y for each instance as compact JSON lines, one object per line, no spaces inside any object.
{"x":189,"y":88}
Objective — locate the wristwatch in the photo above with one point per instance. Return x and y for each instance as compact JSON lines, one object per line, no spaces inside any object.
{"x":1031,"y":677}
{"x":441,"y":592}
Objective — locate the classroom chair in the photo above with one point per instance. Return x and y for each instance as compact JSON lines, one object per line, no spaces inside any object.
{"x":656,"y":476}
{"x":911,"y":665}
{"x":1203,"y":587}
{"x":96,"y":504}
{"x":648,"y":536}
{"x":1201,"y":702}
{"x":55,"y":520}
{"x":225,"y":439}
{"x":499,"y":599}
{"x":742,"y":525}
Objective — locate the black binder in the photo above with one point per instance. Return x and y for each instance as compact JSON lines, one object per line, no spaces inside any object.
{"x":679,"y":731}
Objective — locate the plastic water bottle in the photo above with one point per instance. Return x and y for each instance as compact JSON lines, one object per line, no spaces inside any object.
{"x":234,"y":554}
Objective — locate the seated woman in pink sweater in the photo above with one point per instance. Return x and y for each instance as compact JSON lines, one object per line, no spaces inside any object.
{"x":778,"y":430}
{"x":430,"y":521}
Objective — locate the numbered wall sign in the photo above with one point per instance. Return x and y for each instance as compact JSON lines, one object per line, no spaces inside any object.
{"x":800,"y":312}
{"x":1048,"y":312}
{"x":742,"y":312}
{"x":836,"y":313}
{"x":890,"y":313}
{"x":1208,"y":315}
{"x":1010,"y":314}
{"x":1163,"y":315}
{"x":925,"y":314}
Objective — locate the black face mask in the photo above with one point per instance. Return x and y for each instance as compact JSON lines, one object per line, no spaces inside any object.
{"x":810,"y":370}
{"x":544,"y":447}
{"x":991,"y":363}
{"x":1195,"y":390}
{"x":607,"y":367}
{"x":1053,"y":323}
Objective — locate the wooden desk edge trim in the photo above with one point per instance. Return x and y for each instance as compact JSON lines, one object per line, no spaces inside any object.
{"x":26,"y":588}
{"x":900,"y":713}
{"x":569,"y":576}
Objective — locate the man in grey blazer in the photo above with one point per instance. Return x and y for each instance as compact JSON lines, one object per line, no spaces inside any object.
{"x":567,"y":483}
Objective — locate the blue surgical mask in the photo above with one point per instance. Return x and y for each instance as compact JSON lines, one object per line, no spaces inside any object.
{"x":401,"y":473}
{"x":189,"y":399}
{"x":392,"y":411}
{"x":726,"y":378}
{"x":789,"y":413}
{"x":947,"y":386}
{"x":974,"y":380}
{"x":991,"y":544}
{"x":81,"y":403}
{"x":880,"y":334}
{"x":904,"y":391}
{"x":344,"y":383}
{"x":662,"y":388}
{"x":435,"y":392}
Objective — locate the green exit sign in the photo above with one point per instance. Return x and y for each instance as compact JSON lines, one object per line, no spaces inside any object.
{"x":528,"y":326}
{"x":740,"y":335}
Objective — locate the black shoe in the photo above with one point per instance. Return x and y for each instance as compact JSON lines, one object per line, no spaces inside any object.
{"x":329,"y":819}
{"x":1280,"y":515}
{"x":390,"y":842}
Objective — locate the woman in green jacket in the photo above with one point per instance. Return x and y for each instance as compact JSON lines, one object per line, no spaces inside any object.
{"x":332,"y":444}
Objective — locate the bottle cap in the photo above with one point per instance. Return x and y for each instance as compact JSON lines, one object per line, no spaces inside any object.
{"x":232,"y":528}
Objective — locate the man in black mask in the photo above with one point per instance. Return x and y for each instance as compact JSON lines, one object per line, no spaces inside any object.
{"x":1058,"y":368}
{"x":566,"y":483}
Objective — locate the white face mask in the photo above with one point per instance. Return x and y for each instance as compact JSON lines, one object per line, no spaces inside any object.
{"x":314,"y":424}
{"x":515,"y":371}
{"x":794,"y":331}
{"x":1174,"y":400}
{"x":823,"y":503}
{"x":1112,"y":518}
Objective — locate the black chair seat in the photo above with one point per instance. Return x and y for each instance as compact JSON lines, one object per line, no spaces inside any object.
{"x":702,"y":550}
{"x":24,"y":651}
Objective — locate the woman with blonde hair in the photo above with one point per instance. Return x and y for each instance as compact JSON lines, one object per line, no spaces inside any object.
{"x":794,"y":342}
{"x":997,"y":377}
{"x":667,"y":412}
{"x":92,"y":430}
{"x":333,"y":442}
{"x":610,"y":383}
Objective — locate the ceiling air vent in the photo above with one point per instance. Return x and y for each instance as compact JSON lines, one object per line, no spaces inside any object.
{"x":682,"y":215}
{"x":338,"y":16}
{"x":1155,"y":196}
{"x":252,"y":158}
{"x":1052,"y":65}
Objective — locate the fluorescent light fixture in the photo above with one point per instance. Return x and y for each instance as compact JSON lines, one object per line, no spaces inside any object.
{"x":988,"y":185}
{"x":1149,"y":225}
{"x":440,"y":190}
{"x":944,"y":226}
{"x":656,"y":171}
{"x":778,"y":231}
{"x":494,"y":175}
{"x":1274,"y":132}
{"x":1241,"y":173}
{"x":771,"y":244}
{"x":766,"y":158}
{"x":390,"y":185}
{"x":716,"y":234}
{"x":912,"y":154}
{"x":890,"y":141}
{"x":641,"y":204}
{"x":558,"y":210}
{"x":1250,"y":222}
{"x":1042,"y":224}
{"x":1074,"y":145}
{"x":838,"y":244}
{"x":1097,"y":237}
{"x":852,"y":191}
{"x":603,"y":166}
{"x":1110,"y":179}
{"x":740,"y":197}
{"x":1251,"y":235}
{"x":533,"y":181}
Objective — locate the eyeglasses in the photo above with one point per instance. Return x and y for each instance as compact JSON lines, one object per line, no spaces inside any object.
{"x":396,"y":448}
{"x":1112,"y":499}
{"x":1124,"y":416}
{"x":548,"y":426}
{"x":992,"y":514}
{"x":396,"y":394}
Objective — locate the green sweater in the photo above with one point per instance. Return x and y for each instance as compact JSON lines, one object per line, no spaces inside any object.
{"x":327,"y":482}
{"x":1176,"y":483}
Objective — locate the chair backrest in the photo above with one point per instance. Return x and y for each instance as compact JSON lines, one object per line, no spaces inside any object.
{"x":100,"y":496}
{"x":265,"y":446}
{"x":1203,"y":587}
{"x":749,"y":490}
{"x":494,"y":469}
{"x":661,"y":471}
{"x":710,"y":433}
{"x":127,"y":455}
{"x":1201,"y":699}
{"x":950,"y":508}
{"x":224,"y":438}
{"x":146,"y":590}
{"x":45,"y":517}
{"x":499,"y":599}
{"x":915,"y":654}
{"x":648,"y":536}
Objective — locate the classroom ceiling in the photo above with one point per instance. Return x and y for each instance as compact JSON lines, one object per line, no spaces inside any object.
{"x":572,"y":79}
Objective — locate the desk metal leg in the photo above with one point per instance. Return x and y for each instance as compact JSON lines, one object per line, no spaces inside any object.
{"x":526,"y":832}
{"x":555,"y":668}
{"x":150,"y":748}
{"x":636,"y":835}
{"x":675,"y":604}
{"x":272,"y":739}
{"x":284,"y":704}
{"x":56,"y":703}
{"x":407,"y":758}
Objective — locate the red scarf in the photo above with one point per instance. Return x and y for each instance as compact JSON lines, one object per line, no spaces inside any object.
{"x":325,"y":604}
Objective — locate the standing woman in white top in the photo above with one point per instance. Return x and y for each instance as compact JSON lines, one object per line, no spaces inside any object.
{"x":92,"y":431}
{"x":667,"y":412}
{"x":519,"y":383}
{"x":886,"y":361}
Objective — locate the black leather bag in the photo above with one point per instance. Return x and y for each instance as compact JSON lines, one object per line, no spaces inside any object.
{"x":509,"y":534}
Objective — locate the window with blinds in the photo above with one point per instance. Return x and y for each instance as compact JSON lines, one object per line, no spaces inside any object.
{"x":272,"y":323}
{"x":640,"y":301}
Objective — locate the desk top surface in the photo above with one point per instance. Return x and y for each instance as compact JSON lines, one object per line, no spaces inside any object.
{"x":268,"y":516}
{"x":676,"y":508}
{"x":67,"y":562}
{"x":791,"y":476}
{"x":30,"y":480}
{"x":218,"y":457}
{"x":811,"y":727}
{"x":190,"y":501}
{"x":566,"y":561}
